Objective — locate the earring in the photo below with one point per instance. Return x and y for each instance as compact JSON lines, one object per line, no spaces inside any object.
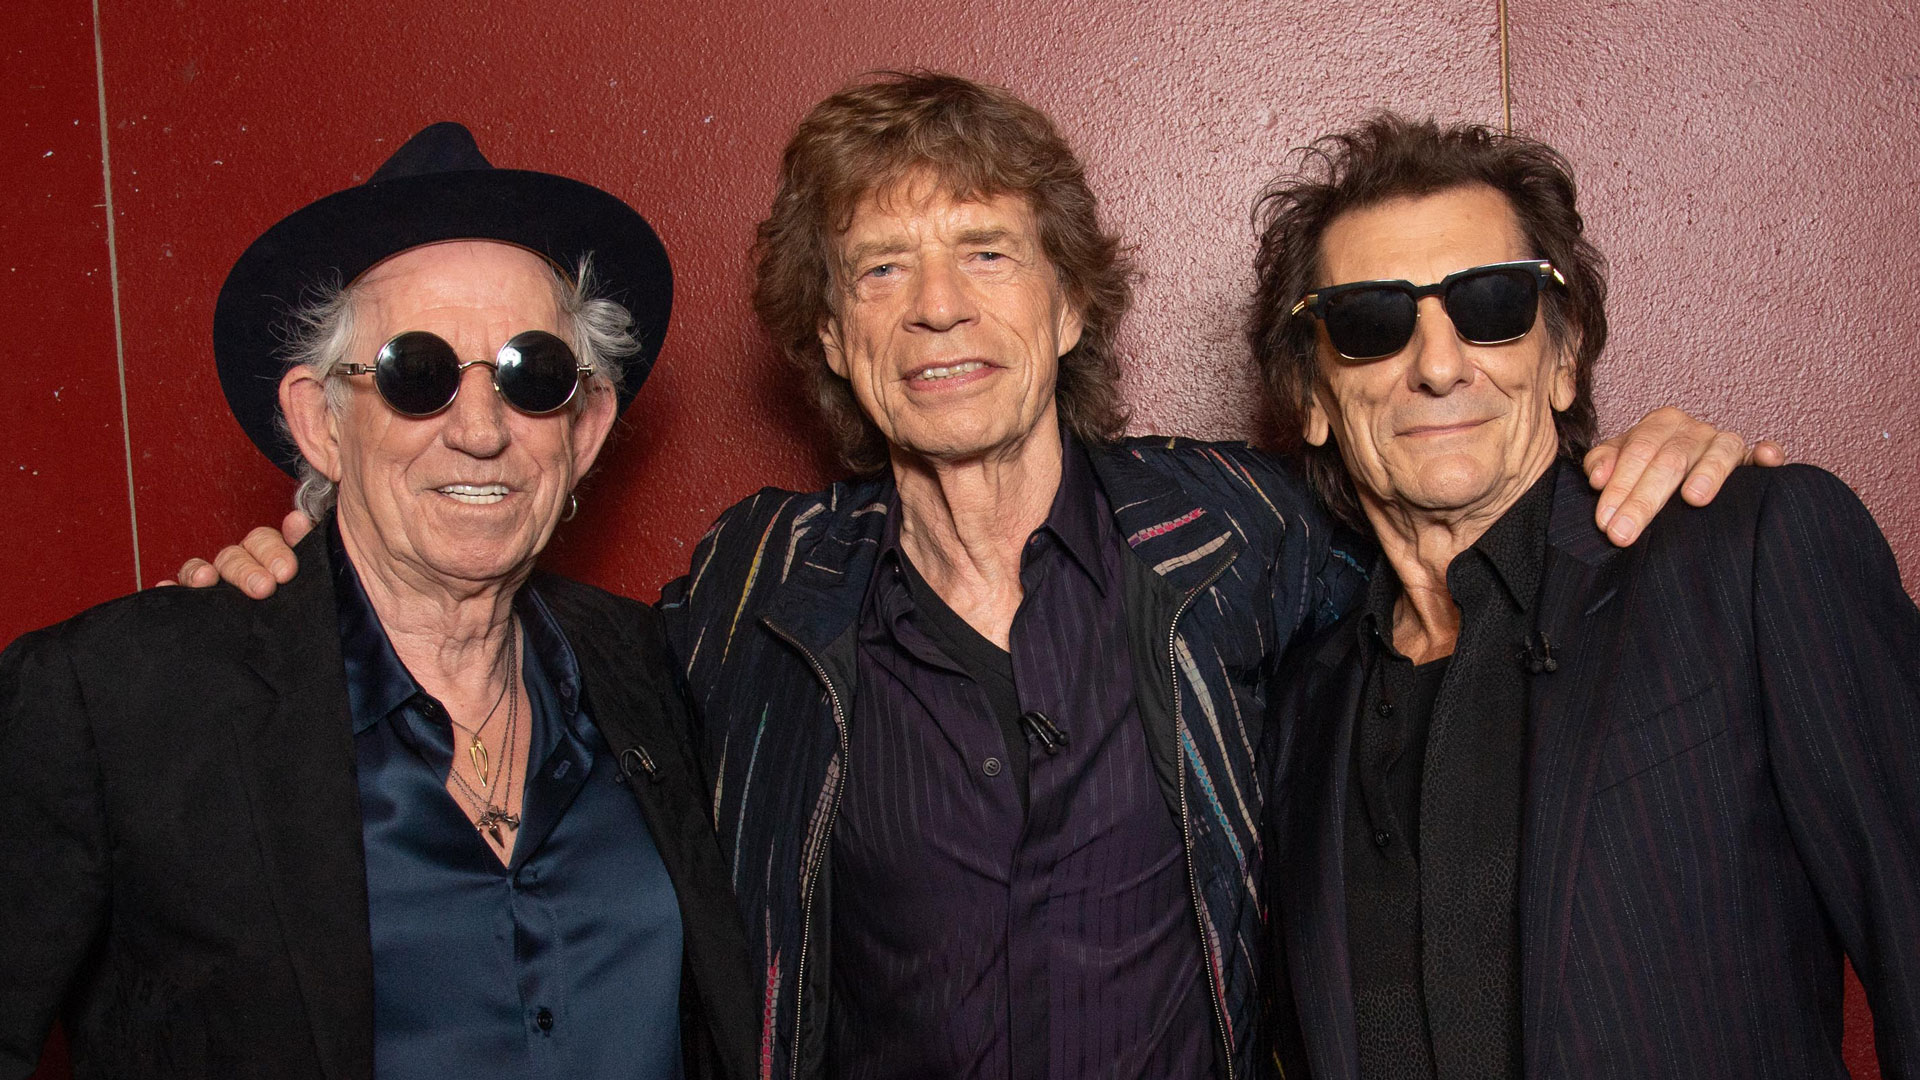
{"x":573,"y":507}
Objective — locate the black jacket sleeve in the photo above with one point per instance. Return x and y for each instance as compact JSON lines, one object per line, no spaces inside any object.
{"x":53,"y":843}
{"x":1838,"y":643}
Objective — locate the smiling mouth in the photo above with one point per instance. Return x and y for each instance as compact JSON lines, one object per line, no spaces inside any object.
{"x":474,"y":494}
{"x":933,"y":374}
{"x":1444,"y":429}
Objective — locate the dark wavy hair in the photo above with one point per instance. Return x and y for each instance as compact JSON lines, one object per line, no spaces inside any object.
{"x":978,"y":142}
{"x":1387,"y":157}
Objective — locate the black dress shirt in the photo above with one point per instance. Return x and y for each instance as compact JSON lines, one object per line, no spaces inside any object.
{"x":977,"y":932}
{"x":564,"y":962}
{"x":1433,"y":817}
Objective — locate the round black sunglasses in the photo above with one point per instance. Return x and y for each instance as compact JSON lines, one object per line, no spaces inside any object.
{"x":418,"y":373}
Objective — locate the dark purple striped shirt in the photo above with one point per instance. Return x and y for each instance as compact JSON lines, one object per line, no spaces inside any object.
{"x":977,"y":937}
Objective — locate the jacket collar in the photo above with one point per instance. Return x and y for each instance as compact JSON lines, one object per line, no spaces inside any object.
{"x":297,"y":758}
{"x":1174,"y":536}
{"x":1177,"y":538}
{"x":830,"y":546}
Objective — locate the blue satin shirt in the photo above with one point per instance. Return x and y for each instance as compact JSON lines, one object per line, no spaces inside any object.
{"x":564,"y":962}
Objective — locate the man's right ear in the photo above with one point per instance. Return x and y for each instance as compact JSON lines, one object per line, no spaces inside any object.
{"x":1316,"y":427}
{"x":316,"y":431}
{"x":830,"y":344}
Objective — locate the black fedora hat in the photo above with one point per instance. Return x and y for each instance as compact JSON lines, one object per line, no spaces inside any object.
{"x":437,"y":187}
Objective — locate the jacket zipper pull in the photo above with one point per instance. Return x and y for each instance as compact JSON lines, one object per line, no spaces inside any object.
{"x":636,"y":759}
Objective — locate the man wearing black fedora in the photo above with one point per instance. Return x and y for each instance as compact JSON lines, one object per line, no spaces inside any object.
{"x":374,"y":825}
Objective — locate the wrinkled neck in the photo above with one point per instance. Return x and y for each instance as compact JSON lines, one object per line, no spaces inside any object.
{"x":965,"y":524}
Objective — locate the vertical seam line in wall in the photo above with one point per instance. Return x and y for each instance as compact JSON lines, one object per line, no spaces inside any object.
{"x":113,"y":279}
{"x":1506,"y":84}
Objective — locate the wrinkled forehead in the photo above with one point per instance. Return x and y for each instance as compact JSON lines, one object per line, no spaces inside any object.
{"x":1420,"y":238}
{"x":907,"y":187}
{"x":463,"y":286}
{"x":922,"y":207}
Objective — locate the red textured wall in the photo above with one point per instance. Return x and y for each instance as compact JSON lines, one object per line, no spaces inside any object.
{"x":1749,"y":167}
{"x":65,"y":527}
{"x":1752,"y":169}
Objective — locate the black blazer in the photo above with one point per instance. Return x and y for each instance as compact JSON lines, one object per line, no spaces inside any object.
{"x":180,"y":850}
{"x":1720,"y":798}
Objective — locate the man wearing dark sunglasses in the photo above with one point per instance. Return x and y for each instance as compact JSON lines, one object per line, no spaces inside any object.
{"x":1547,"y":807}
{"x":980,"y":721}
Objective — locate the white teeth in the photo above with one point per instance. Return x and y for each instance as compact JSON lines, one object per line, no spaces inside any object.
{"x":949,"y":372}
{"x":475,"y":494}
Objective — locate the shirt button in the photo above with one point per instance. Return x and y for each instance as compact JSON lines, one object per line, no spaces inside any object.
{"x":1381,"y":838}
{"x":544,"y":1018}
{"x":991,"y":766}
{"x":1384,"y":709}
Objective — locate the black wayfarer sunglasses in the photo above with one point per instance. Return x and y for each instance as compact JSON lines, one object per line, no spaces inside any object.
{"x":418,"y":373}
{"x":1489,"y":305}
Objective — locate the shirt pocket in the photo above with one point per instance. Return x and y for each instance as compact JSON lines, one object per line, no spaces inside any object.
{"x":1654,"y":730}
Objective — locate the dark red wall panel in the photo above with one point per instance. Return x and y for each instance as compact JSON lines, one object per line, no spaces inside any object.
{"x":64,"y":520}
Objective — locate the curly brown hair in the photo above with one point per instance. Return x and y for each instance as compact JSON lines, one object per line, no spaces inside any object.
{"x":1386,"y":157}
{"x":977,"y":142}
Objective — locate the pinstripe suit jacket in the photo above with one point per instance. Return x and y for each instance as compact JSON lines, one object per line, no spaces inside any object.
{"x":1719,"y":798}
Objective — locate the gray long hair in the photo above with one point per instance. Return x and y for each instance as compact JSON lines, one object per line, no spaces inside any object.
{"x":319,"y":335}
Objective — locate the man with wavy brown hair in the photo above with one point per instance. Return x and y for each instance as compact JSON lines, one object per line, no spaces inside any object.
{"x":979,"y":141}
{"x":980,"y":723}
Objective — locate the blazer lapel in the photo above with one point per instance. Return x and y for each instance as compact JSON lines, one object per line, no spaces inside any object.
{"x":298,"y":769}
{"x":1314,"y":760}
{"x":1578,"y":612}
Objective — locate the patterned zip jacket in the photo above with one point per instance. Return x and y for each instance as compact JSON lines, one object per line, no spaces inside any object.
{"x":1233,"y":561}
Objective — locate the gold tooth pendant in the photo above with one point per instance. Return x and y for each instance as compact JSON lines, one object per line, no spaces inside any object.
{"x":477,"y":753}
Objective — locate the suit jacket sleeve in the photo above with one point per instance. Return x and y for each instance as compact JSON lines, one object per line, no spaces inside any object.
{"x":1838,"y":643}
{"x":53,"y":845}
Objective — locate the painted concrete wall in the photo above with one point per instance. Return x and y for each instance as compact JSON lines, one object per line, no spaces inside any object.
{"x":1749,"y":167}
